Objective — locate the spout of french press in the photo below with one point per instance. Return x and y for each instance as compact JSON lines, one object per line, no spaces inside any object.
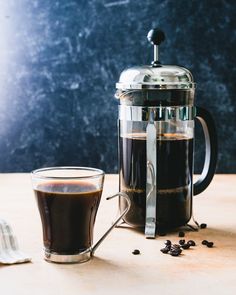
{"x":156,"y":36}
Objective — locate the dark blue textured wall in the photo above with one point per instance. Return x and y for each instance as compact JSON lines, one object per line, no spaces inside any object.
{"x":59,"y":61}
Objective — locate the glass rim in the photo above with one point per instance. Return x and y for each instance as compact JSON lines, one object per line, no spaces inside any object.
{"x":99,"y":172}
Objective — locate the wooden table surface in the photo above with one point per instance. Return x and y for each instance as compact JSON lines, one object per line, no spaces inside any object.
{"x":114,"y":270}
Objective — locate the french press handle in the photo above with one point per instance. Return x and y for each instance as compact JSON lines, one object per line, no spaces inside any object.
{"x":211,"y":150}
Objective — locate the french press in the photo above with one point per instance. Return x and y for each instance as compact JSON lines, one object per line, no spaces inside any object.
{"x":156,"y":143}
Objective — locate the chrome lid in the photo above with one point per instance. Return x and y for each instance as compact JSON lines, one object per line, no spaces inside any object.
{"x":156,"y":75}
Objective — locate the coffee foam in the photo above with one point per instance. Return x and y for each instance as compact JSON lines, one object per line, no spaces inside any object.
{"x":163,"y":136}
{"x":182,"y":189}
{"x":67,"y":187}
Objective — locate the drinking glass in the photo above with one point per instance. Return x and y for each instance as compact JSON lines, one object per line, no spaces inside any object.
{"x":68,"y":199}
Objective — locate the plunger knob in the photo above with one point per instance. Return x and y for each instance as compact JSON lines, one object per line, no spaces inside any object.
{"x":156,"y":36}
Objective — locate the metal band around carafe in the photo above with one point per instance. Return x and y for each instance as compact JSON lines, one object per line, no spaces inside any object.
{"x":151,"y":186}
{"x":137,"y":113}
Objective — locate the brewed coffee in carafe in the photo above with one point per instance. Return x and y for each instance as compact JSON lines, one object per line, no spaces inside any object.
{"x":174,"y":178}
{"x":156,"y":143}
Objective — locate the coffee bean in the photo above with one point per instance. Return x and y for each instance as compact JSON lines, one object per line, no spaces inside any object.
{"x":203,"y":225}
{"x":177,"y":250}
{"x":168,"y":247}
{"x":180,"y":251}
{"x":167,"y":242}
{"x":181,"y":242}
{"x":210,"y":244}
{"x":175,"y":253}
{"x":181,"y":234}
{"x":136,"y":252}
{"x":204,"y":242}
{"x":175,"y":246}
{"x":191,"y":243}
{"x":185,"y":246}
{"x":165,"y":250}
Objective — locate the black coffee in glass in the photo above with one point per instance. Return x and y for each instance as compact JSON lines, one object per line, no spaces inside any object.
{"x":68,"y":215}
{"x":174,"y":178}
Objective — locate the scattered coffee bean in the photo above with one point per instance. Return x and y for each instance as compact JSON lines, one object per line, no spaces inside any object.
{"x":185,"y":246}
{"x":181,"y":234}
{"x":168,"y":247}
{"x":165,"y":250}
{"x":181,"y":242}
{"x":203,"y":225}
{"x":175,"y":249}
{"x":175,"y":246}
{"x":176,"y":252}
{"x":210,"y":244}
{"x":167,"y":242}
{"x":136,"y":252}
{"x":172,"y":249}
{"x":191,"y":243}
{"x":204,"y":242}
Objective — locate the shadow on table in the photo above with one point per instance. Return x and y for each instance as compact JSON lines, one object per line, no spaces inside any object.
{"x":228,"y":234}
{"x":96,"y":267}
